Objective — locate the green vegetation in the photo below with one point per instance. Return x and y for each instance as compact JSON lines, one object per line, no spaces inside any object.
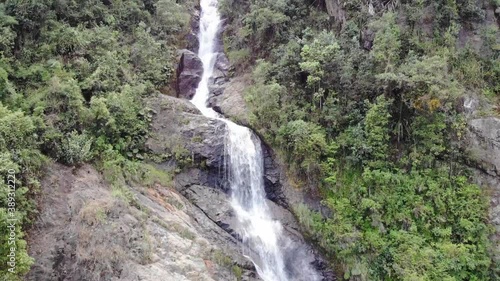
{"x":73,"y":78}
{"x":364,"y":111}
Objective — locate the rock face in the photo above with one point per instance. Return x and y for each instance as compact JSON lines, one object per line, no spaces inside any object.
{"x":87,"y":231}
{"x":189,"y":72}
{"x":179,"y":130}
{"x":336,"y":10}
{"x":230,"y":100}
{"x":485,"y":144}
{"x":192,"y":40}
{"x":219,"y":79}
{"x":484,"y":149}
{"x":367,"y":37}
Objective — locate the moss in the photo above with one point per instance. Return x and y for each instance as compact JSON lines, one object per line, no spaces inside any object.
{"x":237,"y":271}
{"x":221,"y":259}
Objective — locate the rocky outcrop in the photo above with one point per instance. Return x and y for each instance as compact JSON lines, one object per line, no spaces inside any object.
{"x":484,"y":144}
{"x":483,"y":147}
{"x":189,"y":72}
{"x":230,"y":100}
{"x":186,"y":138}
{"x":192,"y":40}
{"x":472,"y":33}
{"x":336,"y":10}
{"x":89,"y":231}
{"x":220,"y":77}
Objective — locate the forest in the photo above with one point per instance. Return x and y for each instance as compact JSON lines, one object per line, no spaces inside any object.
{"x":363,"y":101}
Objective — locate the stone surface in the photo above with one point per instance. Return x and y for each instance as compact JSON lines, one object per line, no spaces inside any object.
{"x":367,"y":37}
{"x":272,"y":178}
{"x":189,"y":72}
{"x":193,"y":43}
{"x":483,"y":147}
{"x":219,"y":79}
{"x":335,"y":9}
{"x":232,"y":103}
{"x":87,"y":232}
{"x":179,"y":130}
{"x":484,"y":144}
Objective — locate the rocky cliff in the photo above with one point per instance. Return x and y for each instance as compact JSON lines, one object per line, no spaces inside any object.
{"x":89,"y":231}
{"x":483,"y":145}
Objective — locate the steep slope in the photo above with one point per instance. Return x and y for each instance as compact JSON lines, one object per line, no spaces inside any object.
{"x":89,"y":230}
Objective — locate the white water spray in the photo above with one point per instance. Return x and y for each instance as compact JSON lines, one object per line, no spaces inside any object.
{"x":209,"y":27}
{"x":276,"y":257}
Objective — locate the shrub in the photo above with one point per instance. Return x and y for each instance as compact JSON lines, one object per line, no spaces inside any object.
{"x":76,"y":148}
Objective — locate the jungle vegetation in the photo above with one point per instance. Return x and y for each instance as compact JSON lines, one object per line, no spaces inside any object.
{"x":364,"y":106}
{"x":74,"y":76}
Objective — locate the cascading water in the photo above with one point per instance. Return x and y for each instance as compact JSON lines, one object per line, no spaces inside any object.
{"x":275,"y":255}
{"x":209,"y":27}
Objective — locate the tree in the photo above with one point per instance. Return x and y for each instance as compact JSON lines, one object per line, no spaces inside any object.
{"x":377,"y":131}
{"x":305,"y":144}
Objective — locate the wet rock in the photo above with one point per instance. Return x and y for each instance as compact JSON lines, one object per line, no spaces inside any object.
{"x":272,"y":183}
{"x":205,"y":140}
{"x":217,"y":109}
{"x":324,"y":267}
{"x":189,"y":73}
{"x":193,"y":43}
{"x":222,"y":63}
{"x":215,"y":204}
{"x":219,"y":79}
{"x":181,"y":132}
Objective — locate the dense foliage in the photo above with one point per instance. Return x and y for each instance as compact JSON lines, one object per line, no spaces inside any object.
{"x":364,"y":105}
{"x":73,"y":76}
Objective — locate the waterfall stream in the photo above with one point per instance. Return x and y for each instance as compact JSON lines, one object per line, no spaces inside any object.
{"x":276,"y":256}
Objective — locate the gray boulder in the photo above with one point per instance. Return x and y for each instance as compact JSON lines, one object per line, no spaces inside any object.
{"x":484,"y":144}
{"x":189,"y":72}
{"x":230,"y":101}
{"x":188,"y":139}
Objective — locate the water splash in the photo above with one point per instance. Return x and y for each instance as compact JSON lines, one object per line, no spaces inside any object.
{"x":276,"y":256}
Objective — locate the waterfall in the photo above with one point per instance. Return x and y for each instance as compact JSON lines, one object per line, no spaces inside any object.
{"x":276,"y":256}
{"x":209,"y":27}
